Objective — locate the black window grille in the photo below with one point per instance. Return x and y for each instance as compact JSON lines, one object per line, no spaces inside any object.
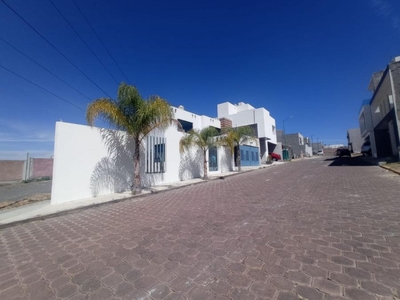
{"x":155,"y":154}
{"x":213,"y":159}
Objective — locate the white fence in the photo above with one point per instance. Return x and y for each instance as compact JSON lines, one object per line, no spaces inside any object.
{"x":92,"y":161}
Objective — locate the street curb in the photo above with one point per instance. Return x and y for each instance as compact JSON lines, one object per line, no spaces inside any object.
{"x":371,"y":163}
{"x":389,"y":169}
{"x":380,"y":164}
{"x":140,"y":196}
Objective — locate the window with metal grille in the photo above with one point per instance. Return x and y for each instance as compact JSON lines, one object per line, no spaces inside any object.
{"x":213,"y":159}
{"x":155,"y":154}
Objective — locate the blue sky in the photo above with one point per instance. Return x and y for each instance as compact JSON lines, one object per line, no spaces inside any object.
{"x":308,"y":59}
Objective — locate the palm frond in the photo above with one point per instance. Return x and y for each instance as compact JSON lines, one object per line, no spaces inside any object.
{"x":208,"y":135}
{"x":108,"y":110}
{"x":237,"y":136}
{"x":156,"y":113}
{"x":203,"y":139}
{"x":130,"y":112}
{"x":229,"y":140}
{"x":186,"y":142}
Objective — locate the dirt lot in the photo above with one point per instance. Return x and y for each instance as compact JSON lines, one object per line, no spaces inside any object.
{"x":18,"y":194}
{"x":24,"y":201}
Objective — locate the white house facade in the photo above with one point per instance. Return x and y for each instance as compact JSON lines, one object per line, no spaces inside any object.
{"x":91,"y":161}
{"x":243,"y":114}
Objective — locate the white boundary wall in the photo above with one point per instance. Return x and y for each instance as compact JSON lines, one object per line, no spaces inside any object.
{"x":90,"y":161}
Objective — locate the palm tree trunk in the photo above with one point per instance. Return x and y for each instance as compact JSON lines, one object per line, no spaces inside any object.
{"x":239,"y":161}
{"x":137,"y":182}
{"x":205,"y":177}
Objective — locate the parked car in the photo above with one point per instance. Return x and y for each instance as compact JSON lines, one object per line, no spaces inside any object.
{"x":366,"y":149}
{"x":343,"y":152}
{"x":320,"y":152}
{"x":275,"y":156}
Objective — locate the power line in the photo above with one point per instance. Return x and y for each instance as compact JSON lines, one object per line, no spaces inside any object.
{"x":35,"y":84}
{"x":54,"y":47}
{"x":87,"y":46}
{"x":44,"y":68}
{"x":98,"y":37}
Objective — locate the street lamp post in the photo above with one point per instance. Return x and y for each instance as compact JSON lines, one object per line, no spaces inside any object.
{"x":284,"y":132}
{"x":317,"y":144}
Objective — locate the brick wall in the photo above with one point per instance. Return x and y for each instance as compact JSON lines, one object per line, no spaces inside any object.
{"x":225,"y":123}
{"x":11,"y":170}
{"x":41,"y":167}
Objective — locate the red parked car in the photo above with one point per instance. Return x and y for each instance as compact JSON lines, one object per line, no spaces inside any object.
{"x":275,"y":156}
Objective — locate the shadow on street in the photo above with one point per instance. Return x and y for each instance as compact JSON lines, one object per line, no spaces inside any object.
{"x":358,"y":161}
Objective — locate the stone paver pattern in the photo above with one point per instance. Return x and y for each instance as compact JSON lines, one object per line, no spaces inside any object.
{"x":309,"y":229}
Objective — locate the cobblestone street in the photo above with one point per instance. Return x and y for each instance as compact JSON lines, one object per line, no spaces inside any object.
{"x":312,"y":229}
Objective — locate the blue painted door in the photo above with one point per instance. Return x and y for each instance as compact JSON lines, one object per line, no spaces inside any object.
{"x":249,"y":156}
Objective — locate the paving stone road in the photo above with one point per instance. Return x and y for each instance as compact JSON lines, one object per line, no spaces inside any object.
{"x":310,"y":229}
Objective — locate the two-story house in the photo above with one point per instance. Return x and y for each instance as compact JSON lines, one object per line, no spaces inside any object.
{"x":296,"y":143}
{"x":243,"y":114}
{"x":385,"y":110}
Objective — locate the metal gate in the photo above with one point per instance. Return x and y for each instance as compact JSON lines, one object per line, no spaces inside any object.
{"x":249,"y":156}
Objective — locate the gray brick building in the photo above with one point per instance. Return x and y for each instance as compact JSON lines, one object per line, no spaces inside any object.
{"x":298,"y":144}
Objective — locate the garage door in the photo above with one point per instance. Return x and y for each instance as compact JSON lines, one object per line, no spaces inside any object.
{"x":250,"y":156}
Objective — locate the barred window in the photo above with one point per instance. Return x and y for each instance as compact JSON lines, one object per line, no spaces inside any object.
{"x":155,"y":154}
{"x":213,"y":159}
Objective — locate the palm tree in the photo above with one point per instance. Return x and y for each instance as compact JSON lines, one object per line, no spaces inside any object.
{"x":235,"y":137}
{"x":203,"y":139}
{"x":135,"y":115}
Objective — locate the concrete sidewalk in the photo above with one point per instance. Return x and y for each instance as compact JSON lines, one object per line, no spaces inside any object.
{"x":46,"y":209}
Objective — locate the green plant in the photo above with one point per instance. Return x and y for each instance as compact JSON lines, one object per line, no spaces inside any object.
{"x":135,"y":115}
{"x":235,"y":137}
{"x":203,"y":139}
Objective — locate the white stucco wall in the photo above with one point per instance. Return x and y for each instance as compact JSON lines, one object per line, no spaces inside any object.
{"x":269,"y":124}
{"x":308,"y":150}
{"x":224,"y":110}
{"x":92,"y":161}
{"x":198,"y":121}
{"x":77,"y":151}
{"x":207,"y":121}
{"x":244,"y":114}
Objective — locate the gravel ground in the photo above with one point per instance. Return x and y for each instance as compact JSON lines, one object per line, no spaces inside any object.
{"x":19,"y":191}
